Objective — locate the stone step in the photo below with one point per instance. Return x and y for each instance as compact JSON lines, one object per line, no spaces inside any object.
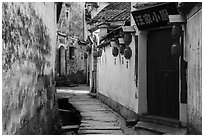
{"x":160,"y":120}
{"x":147,"y":128}
{"x":70,"y":127}
{"x":107,"y":132}
{"x":99,"y":127}
{"x":94,"y":95}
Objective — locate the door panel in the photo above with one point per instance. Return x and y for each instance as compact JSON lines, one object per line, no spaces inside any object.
{"x":162,"y":74}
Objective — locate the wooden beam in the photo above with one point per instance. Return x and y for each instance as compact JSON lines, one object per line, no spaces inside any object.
{"x":130,"y":29}
{"x":177,"y":19}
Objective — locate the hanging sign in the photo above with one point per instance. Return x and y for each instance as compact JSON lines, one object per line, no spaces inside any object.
{"x":156,"y":16}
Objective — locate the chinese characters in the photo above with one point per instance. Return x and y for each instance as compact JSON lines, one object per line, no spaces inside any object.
{"x":150,"y":18}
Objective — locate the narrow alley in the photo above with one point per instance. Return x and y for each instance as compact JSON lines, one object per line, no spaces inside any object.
{"x":96,"y":117}
{"x":107,"y":68}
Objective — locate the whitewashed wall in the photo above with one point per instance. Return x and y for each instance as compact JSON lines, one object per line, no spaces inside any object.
{"x":117,"y":81}
{"x":193,"y":45}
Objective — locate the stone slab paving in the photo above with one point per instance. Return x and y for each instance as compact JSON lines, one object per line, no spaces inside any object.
{"x":97,"y":118}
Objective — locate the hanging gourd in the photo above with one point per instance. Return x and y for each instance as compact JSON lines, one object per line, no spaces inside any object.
{"x":127,"y":38}
{"x":88,"y":49}
{"x":115,"y":51}
{"x":175,"y":50}
{"x":127,"y":53}
{"x":85,"y":55}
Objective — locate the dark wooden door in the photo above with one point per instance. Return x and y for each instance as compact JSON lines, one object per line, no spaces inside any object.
{"x":162,"y":75}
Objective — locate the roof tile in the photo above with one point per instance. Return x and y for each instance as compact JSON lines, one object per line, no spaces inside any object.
{"x":115,"y":11}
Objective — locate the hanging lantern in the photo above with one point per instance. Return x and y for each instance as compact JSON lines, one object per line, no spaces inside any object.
{"x":176,"y":31}
{"x":115,"y":51}
{"x":88,"y":49}
{"x":175,"y":50}
{"x":85,"y":55}
{"x":113,"y":44}
{"x":127,"y":38}
{"x":122,"y":48}
{"x":100,"y":53}
{"x":122,"y":45}
{"x":121,"y":41}
{"x":128,"y":53}
{"x":95,"y":54}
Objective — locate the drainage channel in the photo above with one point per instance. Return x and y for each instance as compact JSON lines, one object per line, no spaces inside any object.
{"x":70,"y":117}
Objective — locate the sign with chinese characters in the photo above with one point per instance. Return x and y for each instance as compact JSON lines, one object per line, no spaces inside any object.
{"x":153,"y":17}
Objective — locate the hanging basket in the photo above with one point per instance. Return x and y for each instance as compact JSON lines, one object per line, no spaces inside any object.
{"x":115,"y":51}
{"x":127,"y":38}
{"x":127,"y":53}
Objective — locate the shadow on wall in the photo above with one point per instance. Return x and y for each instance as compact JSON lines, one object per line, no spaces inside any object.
{"x":28,"y":95}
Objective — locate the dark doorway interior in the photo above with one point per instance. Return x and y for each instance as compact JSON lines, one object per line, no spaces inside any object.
{"x":62,"y":61}
{"x":162,"y":74}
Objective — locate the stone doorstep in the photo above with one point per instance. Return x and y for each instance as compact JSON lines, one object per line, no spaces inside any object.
{"x":93,"y":95}
{"x":131,"y":122}
{"x":70,"y":127}
{"x":99,"y":132}
{"x":160,"y":129}
{"x":160,"y":120}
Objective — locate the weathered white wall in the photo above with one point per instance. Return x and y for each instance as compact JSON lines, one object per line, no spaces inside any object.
{"x":116,"y":81}
{"x":193,"y":43}
{"x":28,"y":97}
{"x":47,"y":12}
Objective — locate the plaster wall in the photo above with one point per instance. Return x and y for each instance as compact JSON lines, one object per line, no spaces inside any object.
{"x":47,"y":11}
{"x":28,"y":54}
{"x":193,"y":43}
{"x":142,"y":69}
{"x":117,"y":79}
{"x":71,"y":23}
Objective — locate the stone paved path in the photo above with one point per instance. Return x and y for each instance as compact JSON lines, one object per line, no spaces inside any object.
{"x":97,"y":118}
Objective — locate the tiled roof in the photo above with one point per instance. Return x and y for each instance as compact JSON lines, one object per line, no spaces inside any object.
{"x":115,"y":11}
{"x":141,"y":5}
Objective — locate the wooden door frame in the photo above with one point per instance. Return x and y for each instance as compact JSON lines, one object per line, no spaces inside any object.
{"x":61,"y":46}
{"x":142,"y":77}
{"x":155,"y":92}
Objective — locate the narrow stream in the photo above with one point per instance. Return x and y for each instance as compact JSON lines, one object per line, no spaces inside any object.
{"x":70,"y":117}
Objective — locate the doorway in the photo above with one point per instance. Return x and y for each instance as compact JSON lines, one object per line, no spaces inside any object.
{"x":162,"y":75}
{"x":62,"y":60}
